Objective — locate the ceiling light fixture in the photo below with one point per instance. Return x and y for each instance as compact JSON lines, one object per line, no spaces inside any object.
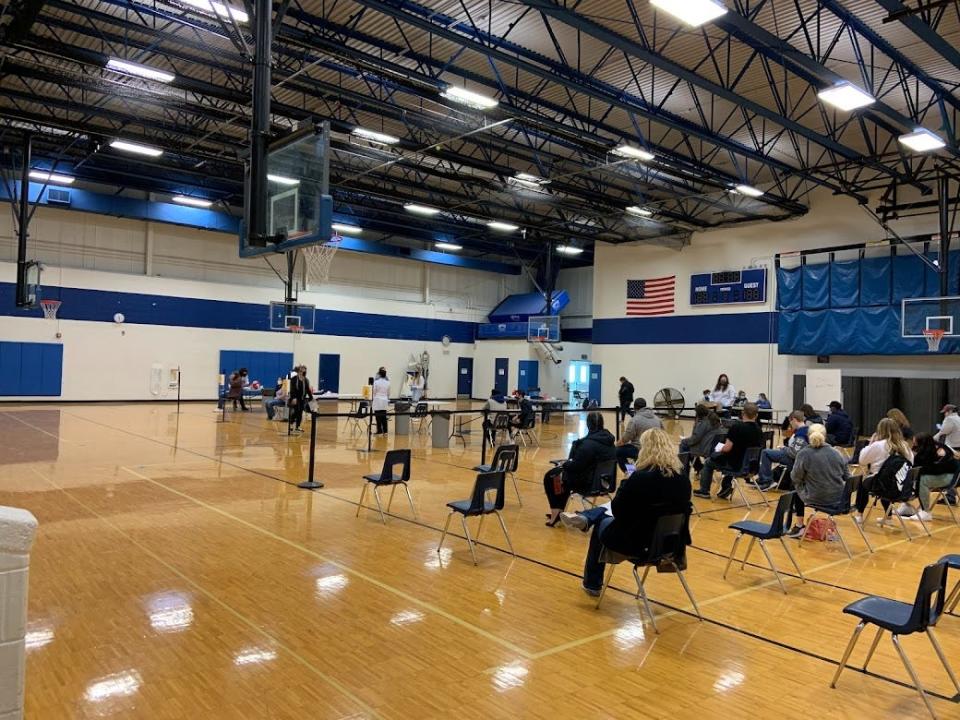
{"x":749,"y":191}
{"x":692,"y":12}
{"x":216,"y":8}
{"x":282,"y":180}
{"x":192,"y":201}
{"x":375,"y":137}
{"x":131,"y":68}
{"x":633,"y":153}
{"x":469,"y":98}
{"x":47,"y":177}
{"x":502,"y":226}
{"x":136,"y":148}
{"x":639,"y":211}
{"x":346,"y":229}
{"x":421,"y":209}
{"x":569,"y":249}
{"x":527,"y":177}
{"x":846,"y":96}
{"x":448,"y":246}
{"x":922,"y":140}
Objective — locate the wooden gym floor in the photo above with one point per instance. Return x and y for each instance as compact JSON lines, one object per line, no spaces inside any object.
{"x":179,"y":573}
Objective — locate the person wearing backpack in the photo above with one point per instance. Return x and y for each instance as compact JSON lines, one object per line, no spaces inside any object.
{"x":887,"y":461}
{"x":938,"y":466}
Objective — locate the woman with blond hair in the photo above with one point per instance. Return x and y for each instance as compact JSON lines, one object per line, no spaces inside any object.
{"x":819,"y":473}
{"x":658,"y":487}
{"x":887,"y":440}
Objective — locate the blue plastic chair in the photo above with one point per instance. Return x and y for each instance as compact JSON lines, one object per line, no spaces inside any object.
{"x":775,"y":530}
{"x":506,"y":458}
{"x":843,"y":508}
{"x":479,"y":505}
{"x":900,"y":618}
{"x":953,"y":562}
{"x":389,"y":476}
{"x":750,"y":467}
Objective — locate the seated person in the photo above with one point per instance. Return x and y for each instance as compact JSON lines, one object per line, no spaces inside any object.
{"x":576,"y":474}
{"x":655,"y":489}
{"x":839,"y":426}
{"x":497,"y":403}
{"x":740,"y":400}
{"x":886,"y":441}
{"x":526,"y":417}
{"x":818,"y":475}
{"x":896,"y":414}
{"x":279,"y":399}
{"x":702,"y":440}
{"x":810,"y":416}
{"x":948,"y":432}
{"x":629,"y":444}
{"x":742,"y":435}
{"x":938,"y":466}
{"x":785,"y":455}
{"x":763,"y":403}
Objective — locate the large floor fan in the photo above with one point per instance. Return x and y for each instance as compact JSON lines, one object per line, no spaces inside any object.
{"x":668,"y":402}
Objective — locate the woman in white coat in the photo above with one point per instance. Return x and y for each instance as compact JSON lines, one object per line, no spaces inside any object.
{"x":381,"y":400}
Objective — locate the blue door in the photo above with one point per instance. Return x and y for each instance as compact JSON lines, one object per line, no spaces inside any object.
{"x":501,"y":375}
{"x":328,"y":377}
{"x":465,"y":376}
{"x":596,"y":378}
{"x":528,"y":376}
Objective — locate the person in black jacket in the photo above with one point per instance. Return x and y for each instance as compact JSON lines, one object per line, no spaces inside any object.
{"x":938,"y":466}
{"x":300,"y":393}
{"x":525,"y":418}
{"x":657,"y":488}
{"x":839,"y":426}
{"x":576,"y":474}
{"x":626,"y":397}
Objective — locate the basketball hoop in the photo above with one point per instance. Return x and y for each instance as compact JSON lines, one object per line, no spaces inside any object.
{"x":933,"y":338}
{"x":295,"y":329}
{"x":50,"y":308}
{"x":319,"y":258}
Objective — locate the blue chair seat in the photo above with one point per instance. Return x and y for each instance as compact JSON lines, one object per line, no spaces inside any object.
{"x":891,"y":615}
{"x":952,"y":561}
{"x":463,"y":506}
{"x":752,"y":527}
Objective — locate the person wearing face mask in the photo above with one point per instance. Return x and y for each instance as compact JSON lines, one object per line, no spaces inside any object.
{"x":300,"y":394}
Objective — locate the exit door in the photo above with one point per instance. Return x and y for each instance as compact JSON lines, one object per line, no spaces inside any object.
{"x":501,"y":375}
{"x":465,"y":377}
{"x":596,"y":383}
{"x":528,"y":375}
{"x":328,"y":377}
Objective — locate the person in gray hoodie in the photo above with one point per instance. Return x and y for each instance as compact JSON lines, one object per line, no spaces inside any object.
{"x":818,"y":474}
{"x":628,"y":447}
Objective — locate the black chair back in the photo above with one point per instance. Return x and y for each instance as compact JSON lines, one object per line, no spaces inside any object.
{"x":931,"y":595}
{"x":363,"y":409}
{"x":859,"y":445}
{"x":390,"y":462}
{"x":669,"y":543}
{"x":491,"y":482}
{"x":501,"y":421}
{"x":420,"y":411}
{"x":751,"y":461}
{"x":768,"y":436}
{"x":604,"y":477}
{"x":846,"y":502}
{"x":782,"y":516}
{"x":505,"y":459}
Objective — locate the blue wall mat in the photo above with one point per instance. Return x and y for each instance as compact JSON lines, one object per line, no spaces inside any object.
{"x":844,"y":283}
{"x":465,"y":376}
{"x":31,"y":369}
{"x":584,"y":335}
{"x":328,"y":375}
{"x":909,"y":277}
{"x":724,"y":329}
{"x":789,"y":290}
{"x":875,"y":281}
{"x":263,"y":366}
{"x":816,"y":286}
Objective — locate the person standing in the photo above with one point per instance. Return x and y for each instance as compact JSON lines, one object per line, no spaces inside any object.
{"x":300,"y":394}
{"x":238,"y":381}
{"x":723,"y":393}
{"x":416,"y":388}
{"x":626,"y":396}
{"x":381,"y":401}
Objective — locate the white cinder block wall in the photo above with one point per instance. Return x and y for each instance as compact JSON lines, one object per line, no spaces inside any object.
{"x":832,"y":221}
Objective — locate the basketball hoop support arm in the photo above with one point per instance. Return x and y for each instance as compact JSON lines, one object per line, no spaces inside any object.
{"x":260,"y":125}
{"x":23,"y":222}
{"x":943,"y":183}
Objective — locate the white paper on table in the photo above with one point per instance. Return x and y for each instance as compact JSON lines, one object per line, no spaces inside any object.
{"x":718,"y":447}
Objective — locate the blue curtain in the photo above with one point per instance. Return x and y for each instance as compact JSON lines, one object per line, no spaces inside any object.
{"x":875,"y":277}
{"x":845,"y":283}
{"x":816,"y":286}
{"x":788,"y":289}
{"x":908,"y":277}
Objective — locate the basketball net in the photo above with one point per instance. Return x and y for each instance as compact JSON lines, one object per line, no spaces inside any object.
{"x":933,"y":338}
{"x":50,"y":308}
{"x":318,"y":259}
{"x":297,"y":330}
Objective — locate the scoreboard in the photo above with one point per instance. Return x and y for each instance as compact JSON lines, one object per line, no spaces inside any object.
{"x":729,"y":287}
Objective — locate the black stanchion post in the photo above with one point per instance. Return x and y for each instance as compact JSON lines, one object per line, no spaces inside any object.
{"x":483,"y":445}
{"x":617,"y":411}
{"x":178,"y":391}
{"x":370,"y":430}
{"x":309,"y":483}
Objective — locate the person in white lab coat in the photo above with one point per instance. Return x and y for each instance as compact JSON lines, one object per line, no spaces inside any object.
{"x":381,"y":400}
{"x":416,"y":388}
{"x":724,"y":394}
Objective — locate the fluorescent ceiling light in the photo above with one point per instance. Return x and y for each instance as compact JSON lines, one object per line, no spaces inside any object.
{"x":346,"y":229}
{"x":469,"y":98}
{"x":216,"y":8}
{"x":282,"y":180}
{"x":634,"y":153}
{"x":44,"y":176}
{"x":922,"y":140}
{"x":420,"y":209}
{"x":448,"y":246}
{"x":502,"y":226}
{"x":749,"y":191}
{"x":375,"y":137}
{"x":569,"y":249}
{"x":639,"y":211}
{"x":846,"y":96}
{"x":131,"y":68}
{"x":692,"y":12}
{"x":136,"y":148}
{"x":527,"y":177}
{"x":528,"y":181}
{"x":192,"y":201}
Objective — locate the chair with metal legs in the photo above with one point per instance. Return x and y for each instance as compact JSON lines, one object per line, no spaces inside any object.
{"x":750,"y":467}
{"x":506,"y":458}
{"x":602,"y":484}
{"x":668,"y":553}
{"x":911,"y":483}
{"x":900,"y":618}
{"x":775,"y":530}
{"x":389,"y":476}
{"x":941,"y":494}
{"x":421,"y":413}
{"x":953,"y":562}
{"x":843,"y":508}
{"x":480,"y":505}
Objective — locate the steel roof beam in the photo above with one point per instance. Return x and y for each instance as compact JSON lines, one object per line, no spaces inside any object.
{"x":907,"y":16}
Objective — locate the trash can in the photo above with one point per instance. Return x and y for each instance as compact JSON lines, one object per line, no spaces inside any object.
{"x":441,"y":429}
{"x":402,"y":417}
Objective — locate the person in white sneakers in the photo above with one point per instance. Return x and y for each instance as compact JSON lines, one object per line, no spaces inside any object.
{"x":938,"y":466}
{"x":949,"y":430}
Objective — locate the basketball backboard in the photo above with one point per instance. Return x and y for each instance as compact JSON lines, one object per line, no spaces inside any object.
{"x":543,"y":328}
{"x":930,"y":313}
{"x":284,"y":315}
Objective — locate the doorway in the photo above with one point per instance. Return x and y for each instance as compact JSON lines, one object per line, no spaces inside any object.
{"x":578,"y":382}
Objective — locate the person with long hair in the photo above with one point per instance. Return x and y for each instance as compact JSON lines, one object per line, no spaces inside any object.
{"x":724,"y":394}
{"x":938,"y":466}
{"x":886,"y":441}
{"x":896,"y":414}
{"x":701,"y":441}
{"x":576,"y":474}
{"x":300,"y":394}
{"x":657,"y":488}
{"x":818,"y":475}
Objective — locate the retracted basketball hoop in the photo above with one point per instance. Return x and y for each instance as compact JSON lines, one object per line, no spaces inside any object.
{"x":933,"y":338}
{"x":318,"y":259}
{"x":50,"y":308}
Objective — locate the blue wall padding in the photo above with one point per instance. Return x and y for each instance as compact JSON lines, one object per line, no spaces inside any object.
{"x":30,"y":369}
{"x":844,"y":283}
{"x":789,"y":293}
{"x":816,"y":286}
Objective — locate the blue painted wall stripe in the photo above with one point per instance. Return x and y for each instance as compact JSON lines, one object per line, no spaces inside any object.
{"x":101,"y":305}
{"x":718,"y":329}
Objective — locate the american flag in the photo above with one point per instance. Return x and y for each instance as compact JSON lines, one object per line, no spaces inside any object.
{"x":651,"y":297}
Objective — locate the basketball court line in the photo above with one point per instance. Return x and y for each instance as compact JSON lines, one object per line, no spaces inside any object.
{"x":332,"y":682}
